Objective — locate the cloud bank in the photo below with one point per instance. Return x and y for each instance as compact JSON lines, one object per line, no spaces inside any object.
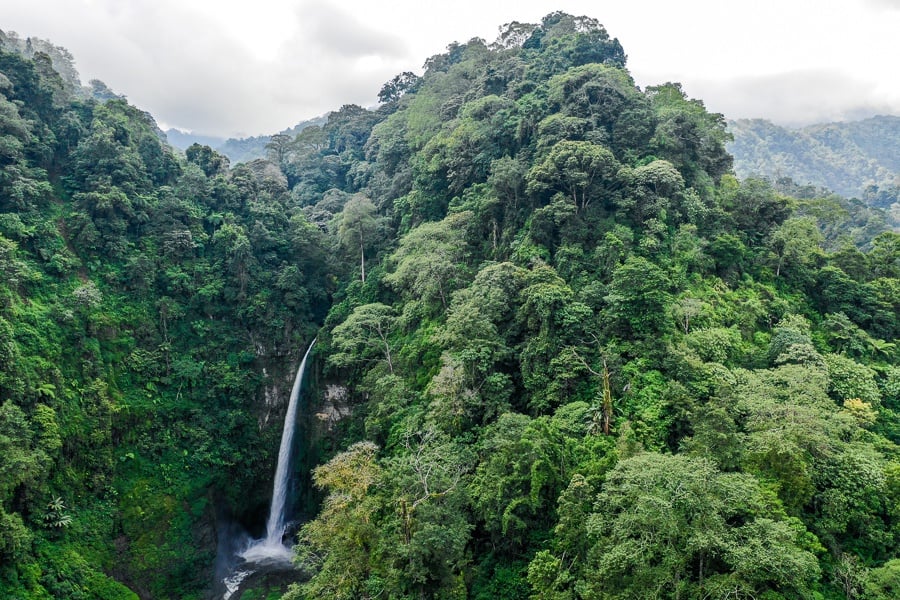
{"x":794,"y":98}
{"x":231,"y":67}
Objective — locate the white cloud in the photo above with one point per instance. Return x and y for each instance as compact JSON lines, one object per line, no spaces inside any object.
{"x":793,"y":98}
{"x":335,"y":32}
{"x":888,"y":4}
{"x":231,"y":66}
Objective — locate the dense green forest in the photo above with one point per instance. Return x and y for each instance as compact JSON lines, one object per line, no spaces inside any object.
{"x":582,"y":360}
{"x":143,"y":296}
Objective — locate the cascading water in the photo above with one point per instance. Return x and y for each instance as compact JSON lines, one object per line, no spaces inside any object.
{"x":270,"y":549}
{"x":275,"y":522}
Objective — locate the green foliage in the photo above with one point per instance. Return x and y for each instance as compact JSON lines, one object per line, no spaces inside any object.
{"x":843,"y":157}
{"x":517,"y":476}
{"x":581,"y":170}
{"x":848,"y":379}
{"x":575,"y":280}
{"x":796,"y":245}
{"x":715,"y":344}
{"x":688,"y":136}
{"x":23,"y":463}
{"x":431,"y":260}
{"x":595,"y":363}
{"x":56,"y":516}
{"x":638,"y":298}
{"x":399,"y":85}
{"x":15,"y":539}
{"x":883,"y":582}
{"x":676,"y":526}
{"x":141,"y":296}
{"x":338,"y":543}
{"x":364,"y":335}
{"x":355,"y":228}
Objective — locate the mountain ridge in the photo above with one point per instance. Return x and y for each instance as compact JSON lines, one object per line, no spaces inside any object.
{"x":845,"y":157}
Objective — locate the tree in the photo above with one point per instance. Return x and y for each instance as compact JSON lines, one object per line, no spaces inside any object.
{"x":428,"y":479}
{"x":755,"y":208}
{"x":356,"y":225}
{"x":22,"y":462}
{"x":523,"y":467}
{"x":401,"y":84}
{"x":796,"y":242}
{"x":279,"y":147}
{"x":363,"y":335}
{"x":612,"y":109}
{"x":348,"y":129}
{"x":656,"y":190}
{"x":337,"y":544}
{"x":15,"y":539}
{"x":685,"y":310}
{"x":513,"y":35}
{"x":603,"y":408}
{"x":454,"y":399}
{"x":507,"y":179}
{"x":884,"y":258}
{"x":688,"y":136}
{"x":791,"y":331}
{"x":231,"y":247}
{"x":431,"y":260}
{"x":574,"y":41}
{"x":582,"y":170}
{"x":638,"y":297}
{"x":676,"y":527}
{"x":211,"y":162}
{"x":847,"y":379}
{"x":883,"y":583}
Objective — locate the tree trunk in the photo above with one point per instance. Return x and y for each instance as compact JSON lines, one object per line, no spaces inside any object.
{"x":362,"y":258}
{"x":387,"y":354}
{"x":607,"y":406}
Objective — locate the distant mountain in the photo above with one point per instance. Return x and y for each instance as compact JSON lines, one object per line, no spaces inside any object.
{"x":183,"y":139}
{"x":238,"y":150}
{"x":242,"y":150}
{"x":847,"y":158}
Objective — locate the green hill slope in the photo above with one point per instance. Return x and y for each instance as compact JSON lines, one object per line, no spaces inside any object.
{"x":143,"y":298}
{"x":583,"y":360}
{"x":844,"y":157}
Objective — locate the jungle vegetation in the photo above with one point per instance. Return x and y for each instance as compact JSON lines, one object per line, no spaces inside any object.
{"x":583,"y":359}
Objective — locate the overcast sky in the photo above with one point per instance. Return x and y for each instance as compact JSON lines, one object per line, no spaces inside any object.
{"x":246,"y":67}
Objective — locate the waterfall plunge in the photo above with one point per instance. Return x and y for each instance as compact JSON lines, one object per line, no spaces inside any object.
{"x":271,"y":548}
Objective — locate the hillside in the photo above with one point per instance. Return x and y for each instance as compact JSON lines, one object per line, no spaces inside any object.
{"x":152,"y":308}
{"x":846,"y":158}
{"x":238,"y":150}
{"x":590,"y":363}
{"x":567,"y":353}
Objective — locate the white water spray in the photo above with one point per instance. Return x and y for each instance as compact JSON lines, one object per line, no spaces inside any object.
{"x":271,"y":548}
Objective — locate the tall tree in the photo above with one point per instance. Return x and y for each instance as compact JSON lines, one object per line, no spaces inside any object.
{"x":431,"y":260}
{"x":356,"y":225}
{"x":363,"y":335}
{"x":582,"y":170}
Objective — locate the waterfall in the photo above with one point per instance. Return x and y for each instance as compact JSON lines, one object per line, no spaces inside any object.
{"x":275,"y":522}
{"x":270,"y":548}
